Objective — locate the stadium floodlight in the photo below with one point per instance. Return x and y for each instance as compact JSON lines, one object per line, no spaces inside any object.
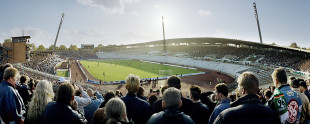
{"x":256,"y":16}
{"x":164,"y":43}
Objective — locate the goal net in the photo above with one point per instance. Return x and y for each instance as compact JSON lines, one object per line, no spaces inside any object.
{"x":164,"y":73}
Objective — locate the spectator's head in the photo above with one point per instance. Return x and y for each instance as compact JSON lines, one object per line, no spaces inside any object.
{"x":115,"y":110}
{"x":247,"y":83}
{"x":152,"y":99}
{"x":172,"y":96}
{"x":294,"y":83}
{"x":24,"y":79}
{"x":65,"y":94}
{"x":195,"y":92}
{"x":163,"y":89}
{"x":140,"y":91}
{"x":7,"y":65}
{"x":44,"y":87}
{"x":118,"y":93}
{"x":41,"y":97}
{"x":132,"y":83}
{"x":267,"y":94}
{"x":279,"y":77}
{"x":174,"y":81}
{"x":221,"y":91}
{"x":10,"y":75}
{"x":108,"y":95}
{"x":90,"y":92}
{"x":302,"y":86}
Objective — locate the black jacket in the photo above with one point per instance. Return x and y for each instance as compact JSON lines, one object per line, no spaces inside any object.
{"x":200,"y":113}
{"x":171,"y":115}
{"x":186,"y":106}
{"x":57,"y":113}
{"x":248,"y":110}
{"x":137,"y":109}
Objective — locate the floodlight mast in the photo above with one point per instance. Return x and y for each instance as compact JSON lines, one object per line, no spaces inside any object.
{"x":62,"y":18}
{"x":164,"y":35}
{"x":256,"y":16}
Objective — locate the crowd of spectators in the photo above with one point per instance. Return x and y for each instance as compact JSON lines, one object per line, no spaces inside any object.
{"x":25,"y":100}
{"x":44,"y":62}
{"x":77,"y":54}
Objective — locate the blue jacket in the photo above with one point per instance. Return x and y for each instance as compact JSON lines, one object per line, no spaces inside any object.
{"x":90,"y":109}
{"x":291,"y":98}
{"x":137,"y":109}
{"x":222,"y":105}
{"x":11,"y":104}
{"x":248,"y":110}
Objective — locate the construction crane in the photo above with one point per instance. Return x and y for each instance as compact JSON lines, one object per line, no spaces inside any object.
{"x":62,"y":18}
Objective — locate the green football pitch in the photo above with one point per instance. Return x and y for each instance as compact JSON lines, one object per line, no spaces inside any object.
{"x":116,"y":70}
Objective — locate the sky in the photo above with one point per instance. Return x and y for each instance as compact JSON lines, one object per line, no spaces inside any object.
{"x":135,"y":21}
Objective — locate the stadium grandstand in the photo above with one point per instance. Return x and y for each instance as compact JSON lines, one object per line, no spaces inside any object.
{"x":221,"y":60}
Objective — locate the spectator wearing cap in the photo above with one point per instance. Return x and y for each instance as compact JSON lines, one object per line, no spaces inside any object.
{"x":11,"y":104}
{"x":247,"y":109}
{"x":64,"y":110}
{"x":221,"y":93}
{"x":303,"y":89}
{"x":305,"y":112}
{"x":171,"y":102}
{"x":137,"y":109}
{"x":94,"y":105}
{"x":200,"y":112}
{"x":174,"y":81}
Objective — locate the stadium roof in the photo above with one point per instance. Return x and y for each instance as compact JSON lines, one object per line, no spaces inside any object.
{"x":211,"y":40}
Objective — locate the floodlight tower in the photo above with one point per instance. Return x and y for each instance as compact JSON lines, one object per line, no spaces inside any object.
{"x":256,"y":15}
{"x":164,"y":43}
{"x":62,"y":18}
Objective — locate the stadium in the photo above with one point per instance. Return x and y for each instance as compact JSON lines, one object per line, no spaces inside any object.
{"x":154,"y":62}
{"x":209,"y":60}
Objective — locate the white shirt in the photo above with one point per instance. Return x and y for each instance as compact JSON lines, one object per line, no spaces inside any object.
{"x":82,"y":101}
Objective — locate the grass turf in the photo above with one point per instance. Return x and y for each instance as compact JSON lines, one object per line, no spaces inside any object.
{"x":63,"y":73}
{"x":120,"y":69}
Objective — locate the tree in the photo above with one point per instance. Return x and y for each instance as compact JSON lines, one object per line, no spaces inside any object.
{"x":73,"y":47}
{"x":273,"y":44}
{"x":294,"y":45}
{"x":100,"y":45}
{"x":62,"y":47}
{"x":7,"y":41}
{"x":32,"y":46}
{"x":41,"y":47}
{"x":51,"y":47}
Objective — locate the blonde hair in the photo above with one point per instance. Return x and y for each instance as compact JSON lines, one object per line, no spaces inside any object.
{"x":249,"y":81}
{"x":42,"y":95}
{"x":132,"y":83}
{"x":10,"y":72}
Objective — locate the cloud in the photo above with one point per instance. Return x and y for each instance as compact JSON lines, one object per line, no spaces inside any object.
{"x":204,"y":13}
{"x":135,"y":13}
{"x":156,"y":6}
{"x":109,"y":6}
{"x":38,"y":36}
{"x":130,"y":1}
